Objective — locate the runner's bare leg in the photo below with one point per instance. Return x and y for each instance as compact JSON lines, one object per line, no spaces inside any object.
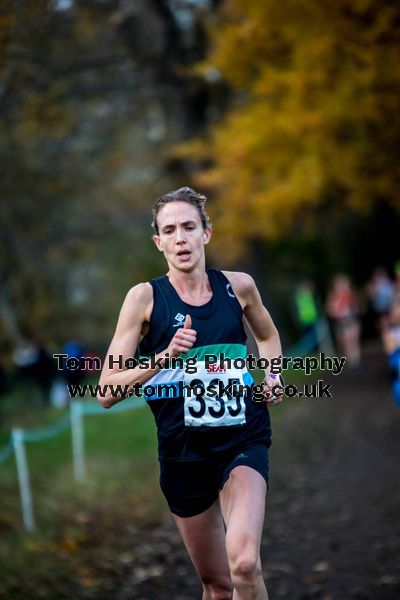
{"x":243,"y":506}
{"x":204,"y":538}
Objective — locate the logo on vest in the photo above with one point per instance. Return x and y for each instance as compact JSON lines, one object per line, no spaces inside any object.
{"x":180,"y":318}
{"x":230,"y":291}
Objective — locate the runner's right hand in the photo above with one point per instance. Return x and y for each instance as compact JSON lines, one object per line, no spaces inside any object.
{"x":183,"y":340}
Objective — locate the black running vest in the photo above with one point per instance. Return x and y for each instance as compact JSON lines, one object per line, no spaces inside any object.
{"x":195,"y":424}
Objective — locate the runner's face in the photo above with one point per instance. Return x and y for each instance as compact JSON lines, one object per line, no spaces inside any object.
{"x":181,"y":235}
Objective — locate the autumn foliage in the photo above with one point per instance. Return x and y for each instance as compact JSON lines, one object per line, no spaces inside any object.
{"x":314,"y":117}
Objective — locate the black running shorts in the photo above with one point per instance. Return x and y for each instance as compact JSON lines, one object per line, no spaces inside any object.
{"x":191,"y":487}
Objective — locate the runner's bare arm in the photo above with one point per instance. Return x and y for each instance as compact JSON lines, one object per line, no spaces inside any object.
{"x":132,"y":322}
{"x":132,"y":318}
{"x":256,"y":315}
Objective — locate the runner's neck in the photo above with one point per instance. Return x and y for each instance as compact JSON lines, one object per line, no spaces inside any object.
{"x":193,"y":287}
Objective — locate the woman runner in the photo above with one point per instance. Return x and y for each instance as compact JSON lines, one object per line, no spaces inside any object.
{"x":213,"y":450}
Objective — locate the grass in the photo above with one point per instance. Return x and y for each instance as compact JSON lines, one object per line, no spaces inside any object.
{"x":116,"y":446}
{"x":121,"y":486}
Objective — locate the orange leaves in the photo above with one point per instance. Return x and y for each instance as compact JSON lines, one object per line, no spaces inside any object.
{"x":315,"y":94}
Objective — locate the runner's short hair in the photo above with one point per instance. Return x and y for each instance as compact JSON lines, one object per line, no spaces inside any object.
{"x":184,"y":194}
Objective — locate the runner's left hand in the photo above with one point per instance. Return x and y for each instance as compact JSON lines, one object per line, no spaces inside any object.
{"x":269,"y":383}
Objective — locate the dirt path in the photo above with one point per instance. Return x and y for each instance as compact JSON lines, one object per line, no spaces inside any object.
{"x":333,"y":516}
{"x":334,"y":530}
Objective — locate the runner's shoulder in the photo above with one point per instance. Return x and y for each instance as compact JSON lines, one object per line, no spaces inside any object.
{"x":141,"y":292}
{"x":140,"y":298}
{"x":241,"y":282}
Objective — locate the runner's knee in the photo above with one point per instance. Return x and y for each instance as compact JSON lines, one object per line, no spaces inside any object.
{"x":245,"y":569}
{"x":245,"y":565}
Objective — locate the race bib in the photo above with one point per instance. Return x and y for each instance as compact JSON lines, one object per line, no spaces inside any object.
{"x":215,"y":398}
